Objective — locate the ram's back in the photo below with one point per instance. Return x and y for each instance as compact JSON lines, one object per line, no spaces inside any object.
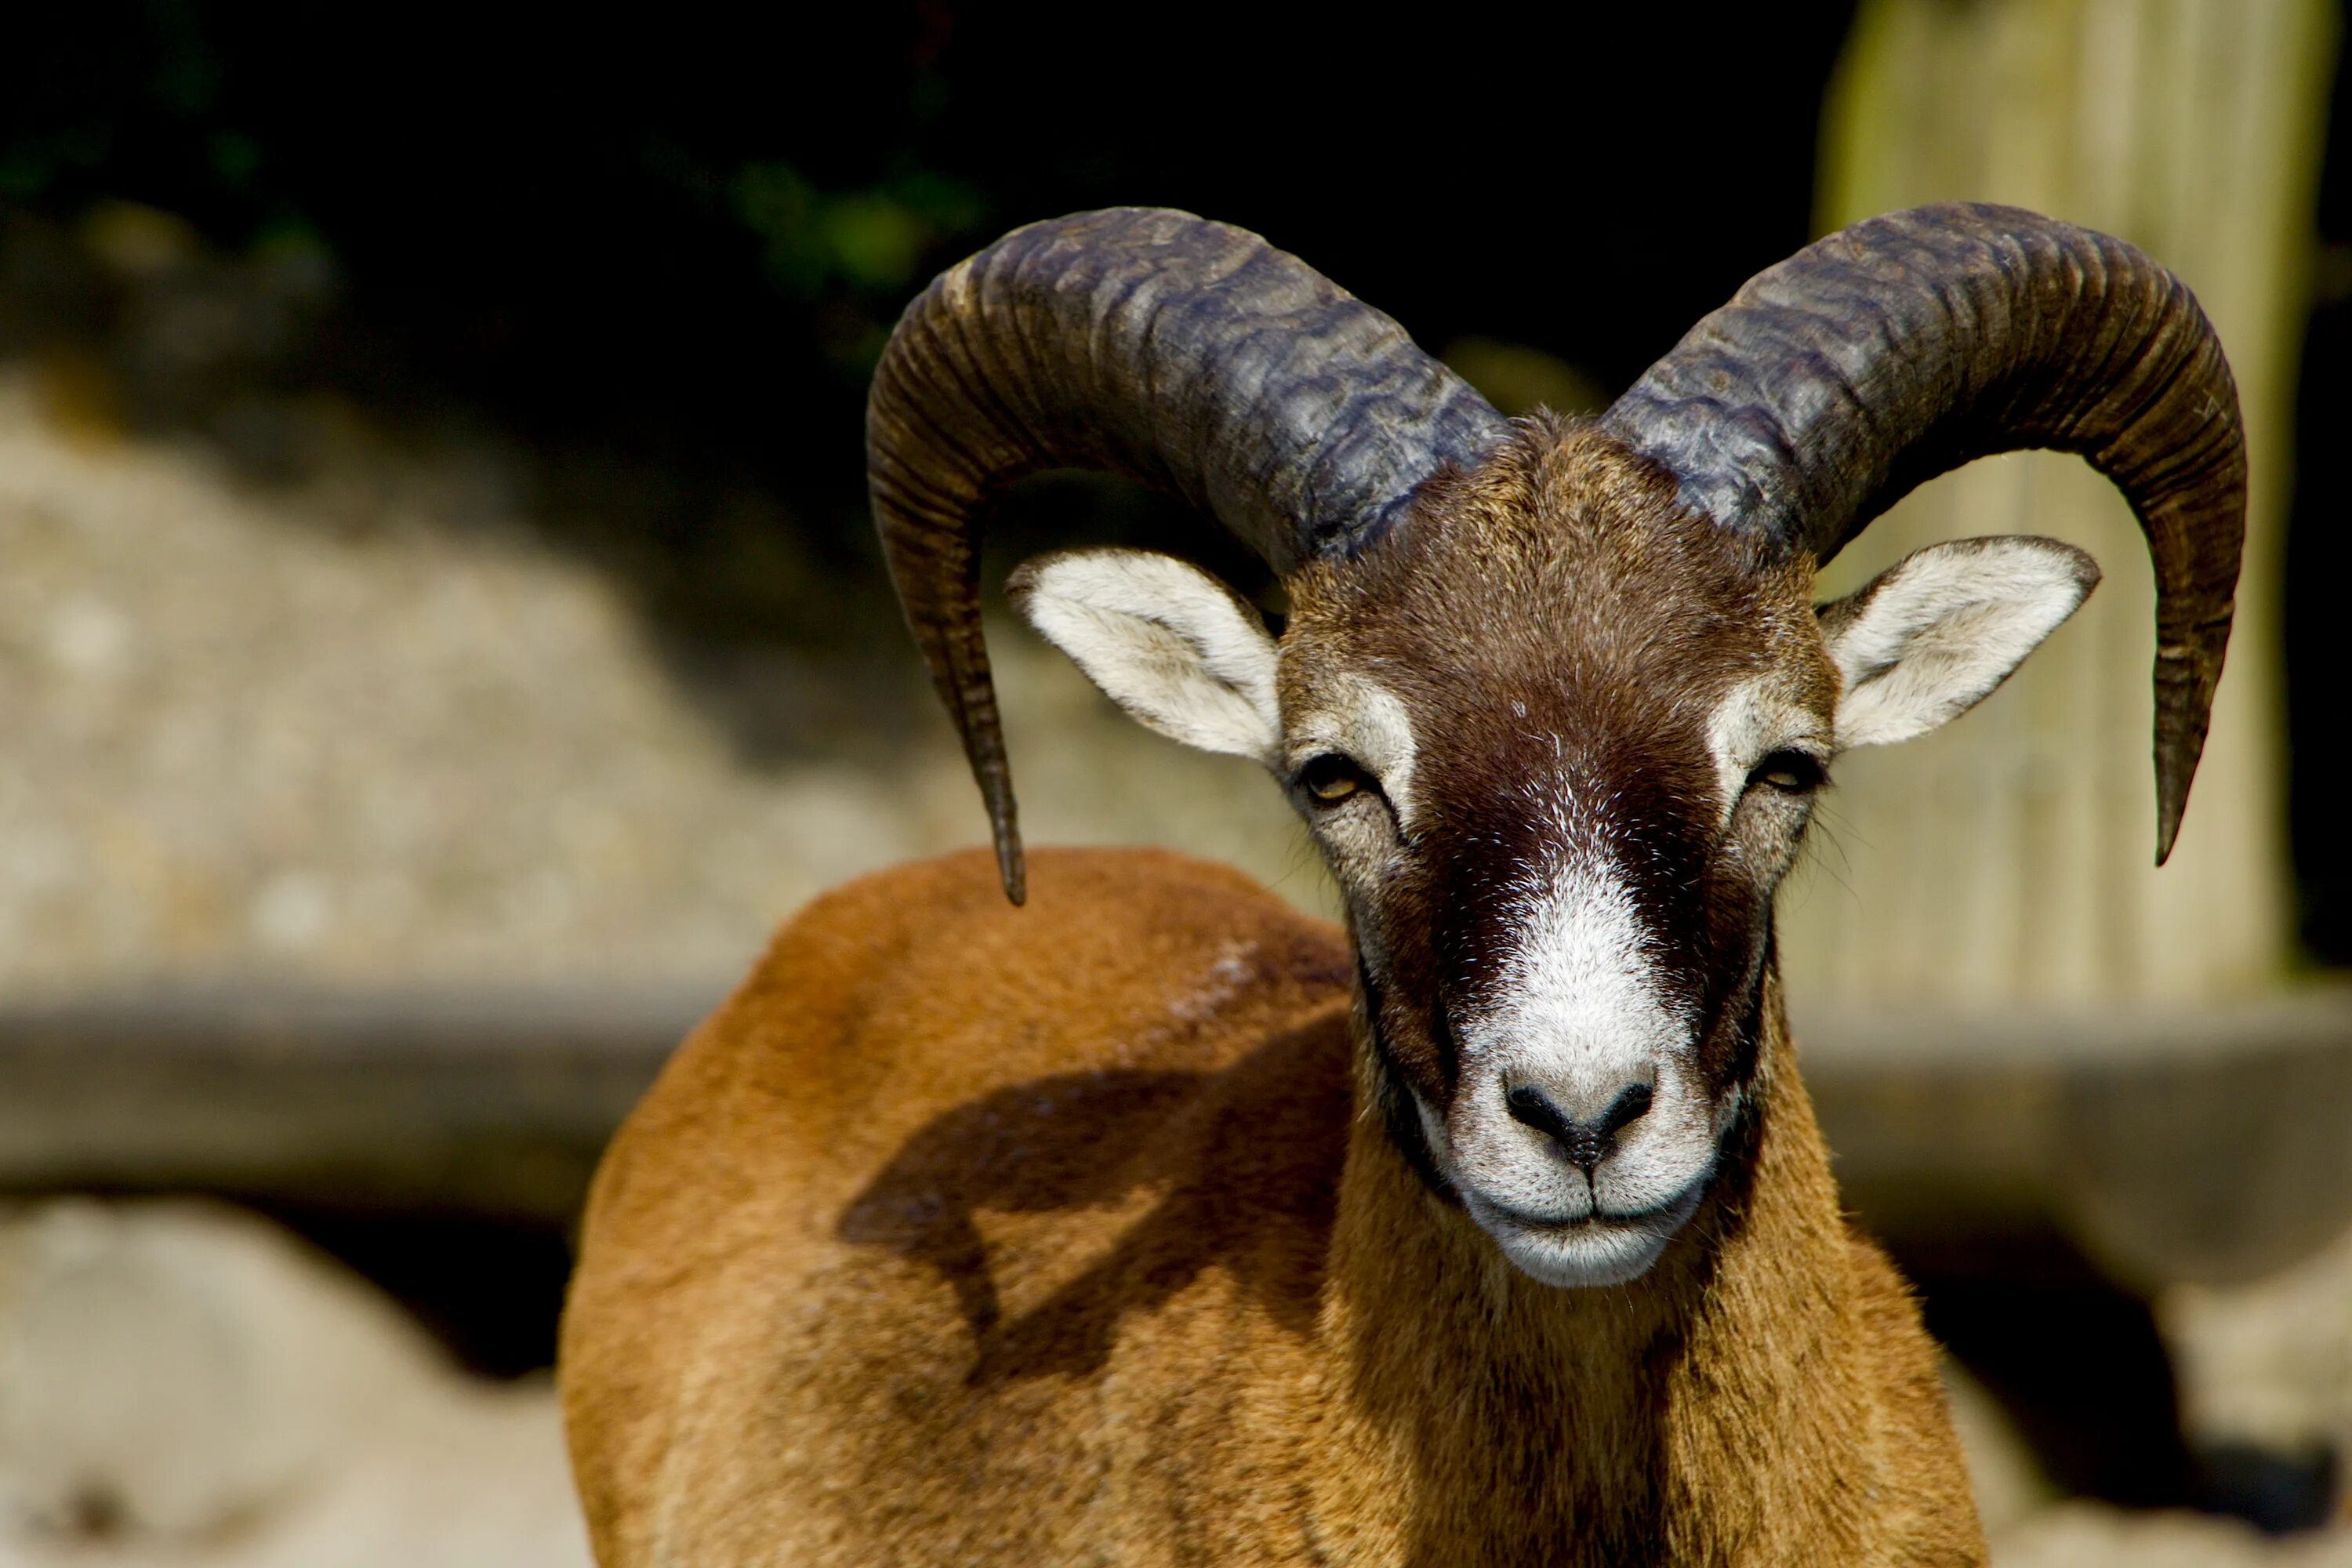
{"x":896,"y":1220}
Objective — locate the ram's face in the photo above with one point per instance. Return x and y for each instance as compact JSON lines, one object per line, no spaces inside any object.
{"x":1558,"y":746}
{"x":1558,"y":742}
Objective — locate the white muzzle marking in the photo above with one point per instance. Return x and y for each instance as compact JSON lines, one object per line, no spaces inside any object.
{"x":1577,"y":1014}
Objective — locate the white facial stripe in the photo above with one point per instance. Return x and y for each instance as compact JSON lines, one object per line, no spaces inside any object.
{"x":1365,"y":721}
{"x":1753,"y":720}
{"x":1581,"y":1008}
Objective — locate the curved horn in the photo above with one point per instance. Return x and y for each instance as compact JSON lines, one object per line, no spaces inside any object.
{"x":1185,"y":353}
{"x":1905,"y":345}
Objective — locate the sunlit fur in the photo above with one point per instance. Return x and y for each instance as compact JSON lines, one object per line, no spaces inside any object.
{"x":1141,"y":1224}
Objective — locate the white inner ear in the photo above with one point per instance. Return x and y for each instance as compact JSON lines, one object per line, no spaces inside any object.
{"x":1936,"y":632}
{"x":1178,"y":649}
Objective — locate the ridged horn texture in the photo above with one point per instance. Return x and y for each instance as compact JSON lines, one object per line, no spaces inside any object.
{"x":1186,"y":354}
{"x":1905,"y":345}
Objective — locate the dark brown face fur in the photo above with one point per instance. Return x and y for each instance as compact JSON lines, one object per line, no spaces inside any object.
{"x":1588,"y":729}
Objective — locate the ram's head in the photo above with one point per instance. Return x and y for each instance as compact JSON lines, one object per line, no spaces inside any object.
{"x":1554,"y":697}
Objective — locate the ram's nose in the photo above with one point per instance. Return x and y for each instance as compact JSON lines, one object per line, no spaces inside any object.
{"x":1582,"y":1128}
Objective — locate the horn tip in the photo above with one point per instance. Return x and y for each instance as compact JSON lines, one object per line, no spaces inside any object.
{"x":2177,"y":756}
{"x":1012,"y":867}
{"x":2170,"y":802}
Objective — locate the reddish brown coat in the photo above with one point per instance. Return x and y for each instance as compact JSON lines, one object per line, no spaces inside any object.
{"x":963,"y":1234}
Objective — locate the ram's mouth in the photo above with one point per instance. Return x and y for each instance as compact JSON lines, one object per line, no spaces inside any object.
{"x":1581,"y":1254}
{"x":1669,"y":1216}
{"x":1599,"y":1247}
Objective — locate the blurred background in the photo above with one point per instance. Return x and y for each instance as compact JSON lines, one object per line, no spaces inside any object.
{"x":440,"y":636}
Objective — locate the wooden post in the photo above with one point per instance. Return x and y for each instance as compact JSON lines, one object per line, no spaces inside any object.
{"x":2007,"y":858}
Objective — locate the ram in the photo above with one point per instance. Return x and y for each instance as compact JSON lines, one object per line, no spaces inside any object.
{"x":1154,"y":1223}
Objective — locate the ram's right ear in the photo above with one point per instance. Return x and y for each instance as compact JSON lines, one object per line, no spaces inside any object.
{"x":1182,"y":653}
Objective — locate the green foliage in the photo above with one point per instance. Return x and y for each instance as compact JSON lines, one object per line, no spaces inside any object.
{"x":863,"y":248}
{"x":869,"y":241}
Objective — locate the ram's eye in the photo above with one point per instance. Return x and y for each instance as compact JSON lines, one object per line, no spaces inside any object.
{"x":1330,"y":779}
{"x":1791,"y":772}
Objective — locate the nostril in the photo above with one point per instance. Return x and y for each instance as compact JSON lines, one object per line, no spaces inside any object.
{"x":1582,"y":1143}
{"x":1627,"y":1108}
{"x":1532,"y":1107}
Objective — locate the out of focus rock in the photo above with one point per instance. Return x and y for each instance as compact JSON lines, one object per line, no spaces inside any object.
{"x":2087,"y":1535}
{"x":2269,"y":1364}
{"x":182,"y":1384}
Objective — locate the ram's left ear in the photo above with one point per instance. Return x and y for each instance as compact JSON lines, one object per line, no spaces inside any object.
{"x":1937,"y":631}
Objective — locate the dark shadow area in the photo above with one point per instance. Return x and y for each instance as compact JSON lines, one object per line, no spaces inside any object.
{"x":1059,"y":1144}
{"x":2077,"y":1362}
{"x":2318,"y":656}
{"x":488,"y":1288}
{"x":1249,"y":1158}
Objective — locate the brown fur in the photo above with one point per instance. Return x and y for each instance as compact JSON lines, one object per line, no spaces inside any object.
{"x":969,"y":1235}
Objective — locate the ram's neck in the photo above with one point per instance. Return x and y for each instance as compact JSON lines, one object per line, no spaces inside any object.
{"x":1483,"y":1414}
